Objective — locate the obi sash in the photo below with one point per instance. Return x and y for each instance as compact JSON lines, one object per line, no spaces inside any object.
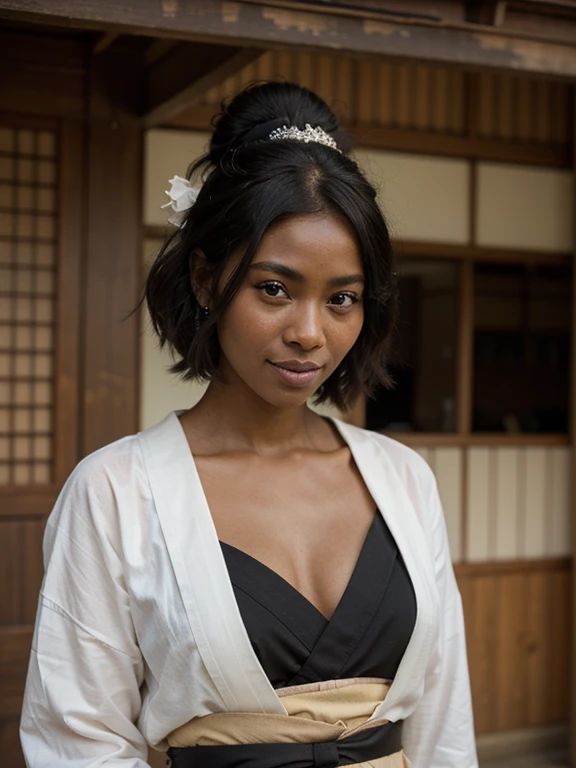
{"x":327,"y":725}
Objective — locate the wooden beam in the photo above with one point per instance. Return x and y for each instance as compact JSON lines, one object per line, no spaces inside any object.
{"x":573,"y":474}
{"x":158,"y":49}
{"x":105,"y":41}
{"x":188,"y":71}
{"x":419,"y":142}
{"x":109,"y":405}
{"x":249,"y":24}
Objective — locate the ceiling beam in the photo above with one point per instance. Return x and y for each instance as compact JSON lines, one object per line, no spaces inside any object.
{"x":263,"y":26}
{"x":188,"y":71}
{"x":104,"y":41}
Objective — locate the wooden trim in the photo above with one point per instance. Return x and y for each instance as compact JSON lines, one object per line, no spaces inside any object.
{"x":480,"y":253}
{"x":21,"y":502}
{"x":70,"y":258}
{"x":260,"y":25}
{"x":110,"y":336}
{"x":437,"y":250}
{"x":573,"y":473}
{"x":464,"y":373}
{"x":418,"y":142}
{"x":13,"y":120}
{"x":495,"y":567}
{"x":439,"y":439}
{"x":529,"y":742}
{"x":472,"y":147}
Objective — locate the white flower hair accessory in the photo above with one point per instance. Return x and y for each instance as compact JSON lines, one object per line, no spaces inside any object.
{"x":182,"y":197}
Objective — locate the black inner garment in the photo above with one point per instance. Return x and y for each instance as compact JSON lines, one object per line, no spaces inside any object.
{"x":296,"y":644}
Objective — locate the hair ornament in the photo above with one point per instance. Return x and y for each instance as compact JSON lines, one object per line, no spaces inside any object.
{"x":182,"y":197}
{"x":307,"y":135}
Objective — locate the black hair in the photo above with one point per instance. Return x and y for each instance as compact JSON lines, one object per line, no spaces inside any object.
{"x":248,"y":184}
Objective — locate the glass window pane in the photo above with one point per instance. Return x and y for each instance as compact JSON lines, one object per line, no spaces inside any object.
{"x":424,"y":398}
{"x":521,"y":348}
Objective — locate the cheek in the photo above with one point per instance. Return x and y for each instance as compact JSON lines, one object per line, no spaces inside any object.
{"x":244,"y":326}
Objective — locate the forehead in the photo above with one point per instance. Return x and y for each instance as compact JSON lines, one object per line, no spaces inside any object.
{"x":312,"y":244}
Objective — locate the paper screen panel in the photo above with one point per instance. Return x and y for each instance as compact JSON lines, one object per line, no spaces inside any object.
{"x":28,"y":264}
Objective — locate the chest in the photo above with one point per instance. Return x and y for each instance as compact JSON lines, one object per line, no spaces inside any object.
{"x":305,"y":518}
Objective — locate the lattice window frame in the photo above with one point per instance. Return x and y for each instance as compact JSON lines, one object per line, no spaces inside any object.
{"x":42,"y":266}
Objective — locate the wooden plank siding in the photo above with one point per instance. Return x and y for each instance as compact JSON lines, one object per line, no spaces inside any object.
{"x":422,"y":108}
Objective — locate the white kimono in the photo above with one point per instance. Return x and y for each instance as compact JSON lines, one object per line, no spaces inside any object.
{"x":138,"y":630}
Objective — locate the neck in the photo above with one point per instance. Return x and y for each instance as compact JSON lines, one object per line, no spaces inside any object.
{"x":231,"y":417}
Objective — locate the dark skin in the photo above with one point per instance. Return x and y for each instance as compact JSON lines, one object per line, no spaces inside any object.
{"x":280,"y":482}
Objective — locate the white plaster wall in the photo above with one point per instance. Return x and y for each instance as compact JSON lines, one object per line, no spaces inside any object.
{"x":160,"y":391}
{"x":524,"y":207}
{"x":446,"y":463}
{"x":423,"y":198}
{"x":518,"y":503}
{"x":167,"y":153}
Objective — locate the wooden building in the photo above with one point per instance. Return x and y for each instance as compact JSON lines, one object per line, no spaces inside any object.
{"x":464,"y":116}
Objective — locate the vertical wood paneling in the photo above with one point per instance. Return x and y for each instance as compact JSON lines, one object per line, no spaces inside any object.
{"x":560,"y":513}
{"x":447,"y":468}
{"x":477,"y":545}
{"x":455,"y":101}
{"x":366,"y":73}
{"x":510,"y":677}
{"x":440,"y":96}
{"x":518,"y":640}
{"x":534,"y":543}
{"x":344,"y":105}
{"x":419,"y":97}
{"x":383,"y":107}
{"x":538,"y":650}
{"x":505,"y":514}
{"x":482,"y":650}
{"x":518,"y":503}
{"x":402,"y":95}
{"x":21,"y":570}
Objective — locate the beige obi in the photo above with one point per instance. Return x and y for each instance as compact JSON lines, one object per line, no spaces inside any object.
{"x":317,"y":712}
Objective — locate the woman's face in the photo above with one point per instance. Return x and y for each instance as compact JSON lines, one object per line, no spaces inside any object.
{"x":298,"y":312}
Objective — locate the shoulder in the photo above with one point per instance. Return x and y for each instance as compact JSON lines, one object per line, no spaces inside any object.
{"x":100,"y":485}
{"x":408,"y":465}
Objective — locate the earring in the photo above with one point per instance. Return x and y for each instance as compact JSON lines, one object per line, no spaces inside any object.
{"x":199,"y":313}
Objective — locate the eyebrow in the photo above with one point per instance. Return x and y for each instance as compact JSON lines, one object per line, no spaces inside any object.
{"x":292,"y":274}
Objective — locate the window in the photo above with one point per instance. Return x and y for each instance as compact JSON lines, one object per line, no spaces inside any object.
{"x":522,"y":319}
{"x":28,"y":264}
{"x":424,"y":399}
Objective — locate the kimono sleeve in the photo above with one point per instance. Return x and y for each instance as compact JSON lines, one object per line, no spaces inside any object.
{"x":440,"y":732}
{"x":82,"y":696}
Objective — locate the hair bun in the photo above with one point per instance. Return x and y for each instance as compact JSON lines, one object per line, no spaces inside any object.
{"x":257,"y":110}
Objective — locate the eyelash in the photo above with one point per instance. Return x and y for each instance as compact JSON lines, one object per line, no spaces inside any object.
{"x":266,"y":284}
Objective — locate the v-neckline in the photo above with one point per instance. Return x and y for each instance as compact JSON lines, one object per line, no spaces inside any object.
{"x":220,"y":635}
{"x":286,"y":584}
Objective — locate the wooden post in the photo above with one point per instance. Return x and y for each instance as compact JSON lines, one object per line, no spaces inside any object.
{"x":573,"y":442}
{"x":110,"y":358}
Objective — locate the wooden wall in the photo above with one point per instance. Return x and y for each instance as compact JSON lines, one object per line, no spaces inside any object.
{"x":70,"y":165}
{"x":421,"y":108}
{"x":519,"y":642}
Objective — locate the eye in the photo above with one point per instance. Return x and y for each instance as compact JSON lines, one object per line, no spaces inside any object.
{"x":271,"y":288}
{"x":344,"y":300}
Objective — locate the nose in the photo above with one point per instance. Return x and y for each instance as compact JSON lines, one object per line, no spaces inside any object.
{"x":305,"y":328}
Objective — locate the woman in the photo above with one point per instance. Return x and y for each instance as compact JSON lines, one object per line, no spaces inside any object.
{"x":248,"y":583}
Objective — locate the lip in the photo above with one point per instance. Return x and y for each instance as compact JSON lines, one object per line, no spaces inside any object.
{"x":296,"y":365}
{"x":300,"y":377}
